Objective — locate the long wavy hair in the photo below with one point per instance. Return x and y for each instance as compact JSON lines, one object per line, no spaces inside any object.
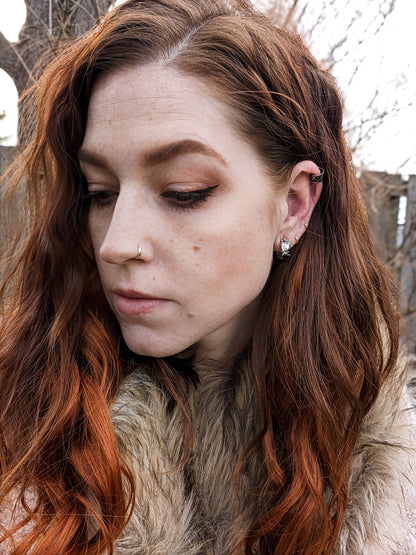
{"x":326,"y":335}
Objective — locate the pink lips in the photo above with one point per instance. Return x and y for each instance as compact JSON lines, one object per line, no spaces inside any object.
{"x":133,"y":303}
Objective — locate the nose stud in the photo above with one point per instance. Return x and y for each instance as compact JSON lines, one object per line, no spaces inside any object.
{"x":139,"y":252}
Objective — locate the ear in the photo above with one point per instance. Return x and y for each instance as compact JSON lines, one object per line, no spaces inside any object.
{"x":305,"y":187}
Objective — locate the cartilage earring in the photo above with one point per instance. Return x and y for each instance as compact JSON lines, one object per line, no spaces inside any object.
{"x":284,"y":249}
{"x":139,"y":252}
{"x":318,"y":178}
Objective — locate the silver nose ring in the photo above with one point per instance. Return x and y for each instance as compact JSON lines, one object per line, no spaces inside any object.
{"x":139,"y":252}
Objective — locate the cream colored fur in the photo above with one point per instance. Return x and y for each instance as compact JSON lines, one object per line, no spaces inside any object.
{"x":197,"y":510}
{"x":201,"y":511}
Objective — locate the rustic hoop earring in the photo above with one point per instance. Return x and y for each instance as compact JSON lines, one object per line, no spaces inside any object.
{"x":318,"y":178}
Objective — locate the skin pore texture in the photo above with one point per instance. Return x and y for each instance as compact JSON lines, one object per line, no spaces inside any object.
{"x":167,"y":171}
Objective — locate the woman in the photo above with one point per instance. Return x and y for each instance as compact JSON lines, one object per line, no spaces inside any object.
{"x":199,"y":344}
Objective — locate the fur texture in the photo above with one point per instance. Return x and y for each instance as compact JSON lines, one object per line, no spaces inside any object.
{"x":201,"y":510}
{"x":198,"y":510}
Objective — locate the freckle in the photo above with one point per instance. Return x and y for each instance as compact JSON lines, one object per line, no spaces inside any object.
{"x":190,"y":315}
{"x":197,"y":248}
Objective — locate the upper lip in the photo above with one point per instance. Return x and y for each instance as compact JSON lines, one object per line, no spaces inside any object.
{"x":133,"y":294}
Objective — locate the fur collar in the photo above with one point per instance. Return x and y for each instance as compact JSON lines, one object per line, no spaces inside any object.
{"x":198,"y":511}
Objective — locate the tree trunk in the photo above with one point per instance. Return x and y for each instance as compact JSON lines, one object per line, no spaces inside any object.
{"x":408,"y":270}
{"x":49,"y":25}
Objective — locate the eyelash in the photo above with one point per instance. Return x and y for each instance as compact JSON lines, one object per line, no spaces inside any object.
{"x":186,"y":200}
{"x":99,"y":198}
{"x":180,"y":200}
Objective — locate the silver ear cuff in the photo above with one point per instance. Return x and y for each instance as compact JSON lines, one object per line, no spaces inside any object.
{"x":318,"y":178}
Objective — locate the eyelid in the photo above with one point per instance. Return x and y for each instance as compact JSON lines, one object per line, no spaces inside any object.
{"x":99,"y":186}
{"x":172,"y":193}
{"x":185,"y":201}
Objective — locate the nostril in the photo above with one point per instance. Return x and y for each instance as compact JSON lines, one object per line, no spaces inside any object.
{"x":120,"y":252}
{"x":114,"y":252}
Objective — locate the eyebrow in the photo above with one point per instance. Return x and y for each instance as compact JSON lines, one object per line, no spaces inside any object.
{"x":159,"y":155}
{"x":93,"y":159}
{"x":165,"y":153}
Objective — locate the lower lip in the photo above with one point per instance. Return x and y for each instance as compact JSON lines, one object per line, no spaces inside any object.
{"x":133,"y":307}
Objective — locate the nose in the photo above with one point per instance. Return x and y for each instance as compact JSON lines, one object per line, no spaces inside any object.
{"x":125,"y":238}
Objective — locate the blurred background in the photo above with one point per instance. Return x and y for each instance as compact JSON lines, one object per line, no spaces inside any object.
{"x":369,"y":47}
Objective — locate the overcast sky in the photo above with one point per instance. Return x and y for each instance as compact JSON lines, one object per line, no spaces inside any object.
{"x":387,"y":61}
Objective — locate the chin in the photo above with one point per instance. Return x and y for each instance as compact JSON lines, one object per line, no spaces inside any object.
{"x":154,"y":350}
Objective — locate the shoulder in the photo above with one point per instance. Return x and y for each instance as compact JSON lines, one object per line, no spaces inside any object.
{"x":381,"y":511}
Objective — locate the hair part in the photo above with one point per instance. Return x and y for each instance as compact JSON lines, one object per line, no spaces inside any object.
{"x":326,"y":336}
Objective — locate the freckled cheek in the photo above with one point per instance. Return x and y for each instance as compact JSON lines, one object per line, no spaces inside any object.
{"x":244,"y":258}
{"x":228,"y":253}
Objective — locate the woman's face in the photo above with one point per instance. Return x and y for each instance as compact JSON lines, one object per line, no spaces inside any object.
{"x":167,"y":171}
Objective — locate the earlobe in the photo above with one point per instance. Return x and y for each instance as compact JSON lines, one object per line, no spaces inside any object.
{"x":305,"y":187}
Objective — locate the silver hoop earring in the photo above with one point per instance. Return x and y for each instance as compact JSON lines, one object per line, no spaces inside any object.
{"x":139,"y":252}
{"x":284,"y":249}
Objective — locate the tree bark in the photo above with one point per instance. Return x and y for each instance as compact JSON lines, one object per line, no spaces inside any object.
{"x":49,"y":26}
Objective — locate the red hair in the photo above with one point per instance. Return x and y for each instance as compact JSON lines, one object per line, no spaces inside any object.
{"x":325,"y":338}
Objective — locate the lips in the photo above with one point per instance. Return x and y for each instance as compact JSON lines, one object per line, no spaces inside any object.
{"x":133,"y":303}
{"x":133,"y":294}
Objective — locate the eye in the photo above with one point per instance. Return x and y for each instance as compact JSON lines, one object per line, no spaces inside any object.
{"x":100,"y":199}
{"x":186,"y":200}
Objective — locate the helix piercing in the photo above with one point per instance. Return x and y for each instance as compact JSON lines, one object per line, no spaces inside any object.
{"x":318,"y":178}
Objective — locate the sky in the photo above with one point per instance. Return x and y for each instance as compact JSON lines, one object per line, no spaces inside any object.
{"x":387,"y":62}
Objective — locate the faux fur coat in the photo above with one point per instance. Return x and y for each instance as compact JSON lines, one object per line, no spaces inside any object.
{"x":198,"y":510}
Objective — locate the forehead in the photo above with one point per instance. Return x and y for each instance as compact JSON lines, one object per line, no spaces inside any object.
{"x":139,"y":108}
{"x":154,"y":93}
